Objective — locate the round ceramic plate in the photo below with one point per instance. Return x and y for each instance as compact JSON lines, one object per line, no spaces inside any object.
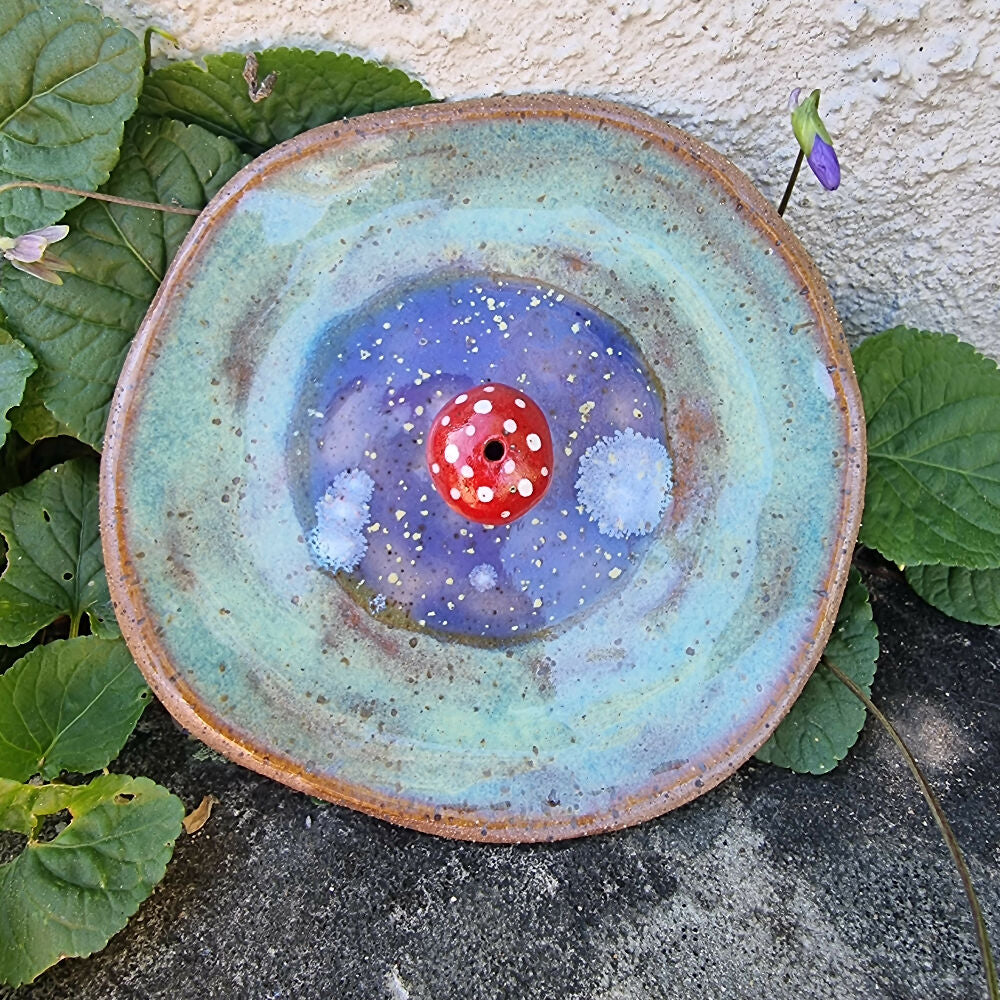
{"x":615,"y":652}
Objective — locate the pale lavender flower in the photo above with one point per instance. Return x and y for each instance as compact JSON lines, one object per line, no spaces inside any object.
{"x":29,"y":253}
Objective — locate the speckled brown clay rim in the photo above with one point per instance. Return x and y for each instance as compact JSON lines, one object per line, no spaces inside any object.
{"x":125,"y":581}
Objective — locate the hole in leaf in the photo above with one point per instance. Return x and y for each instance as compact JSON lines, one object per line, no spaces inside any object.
{"x":494,"y":450}
{"x":11,"y":845}
{"x":52,"y":826}
{"x":67,"y":575}
{"x":123,"y":797}
{"x":46,"y":515}
{"x":69,"y":778}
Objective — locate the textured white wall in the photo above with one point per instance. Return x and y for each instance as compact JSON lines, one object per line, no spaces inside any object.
{"x":911,"y":95}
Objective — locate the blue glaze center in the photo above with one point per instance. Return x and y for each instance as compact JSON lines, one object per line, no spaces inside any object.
{"x":379,"y":380}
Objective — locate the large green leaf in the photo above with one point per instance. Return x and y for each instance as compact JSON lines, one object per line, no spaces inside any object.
{"x":68,"y":706}
{"x":970,"y":595}
{"x":70,"y":79}
{"x":933,"y":410}
{"x":826,"y":718}
{"x":16,"y":364}
{"x":54,"y":563}
{"x":67,"y":896}
{"x":80,"y":331}
{"x":310,"y":89}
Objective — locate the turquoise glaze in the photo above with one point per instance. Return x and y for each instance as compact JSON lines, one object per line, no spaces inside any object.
{"x":654,"y":664}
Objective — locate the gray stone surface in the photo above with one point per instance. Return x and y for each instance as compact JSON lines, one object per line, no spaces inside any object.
{"x":772,"y":886}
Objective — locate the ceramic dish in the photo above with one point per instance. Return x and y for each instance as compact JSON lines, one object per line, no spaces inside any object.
{"x":603,"y":659}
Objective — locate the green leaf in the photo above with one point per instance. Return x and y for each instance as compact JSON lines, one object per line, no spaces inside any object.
{"x":30,"y":418}
{"x":826,"y":718}
{"x":80,"y":331}
{"x":310,"y":89}
{"x":970,"y":595}
{"x":68,"y":896}
{"x":933,"y":410}
{"x":16,"y":364}
{"x":70,"y":80}
{"x":23,"y":806}
{"x":69,"y":705}
{"x":54,"y":563}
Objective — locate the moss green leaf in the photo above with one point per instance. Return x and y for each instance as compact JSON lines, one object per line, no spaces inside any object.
{"x":970,"y":595}
{"x":80,"y":331}
{"x":310,"y":89}
{"x":67,"y":896}
{"x":826,"y":718}
{"x":68,"y":706}
{"x":16,"y":364}
{"x":933,"y":410}
{"x":54,"y":561}
{"x":70,"y":79}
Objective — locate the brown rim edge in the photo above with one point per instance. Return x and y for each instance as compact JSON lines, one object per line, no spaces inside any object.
{"x":181,"y":701}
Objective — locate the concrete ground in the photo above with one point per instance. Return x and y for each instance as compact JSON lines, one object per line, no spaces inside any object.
{"x":772,"y":886}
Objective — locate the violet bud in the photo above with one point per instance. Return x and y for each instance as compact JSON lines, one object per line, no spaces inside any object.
{"x":814,"y":139}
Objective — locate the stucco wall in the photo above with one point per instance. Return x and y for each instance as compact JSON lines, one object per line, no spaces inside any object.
{"x":911,"y":94}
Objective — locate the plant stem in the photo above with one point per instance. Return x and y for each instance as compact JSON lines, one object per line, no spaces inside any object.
{"x":147,"y":44}
{"x":791,"y":182}
{"x":151,"y":205}
{"x":74,"y":625}
{"x":944,"y":826}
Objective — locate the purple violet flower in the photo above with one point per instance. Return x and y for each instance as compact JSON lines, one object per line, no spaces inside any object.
{"x":814,"y":139}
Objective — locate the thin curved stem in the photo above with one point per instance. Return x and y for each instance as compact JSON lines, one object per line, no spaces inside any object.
{"x":147,"y":45}
{"x":982,"y":936}
{"x":791,"y":182}
{"x":59,"y":189}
